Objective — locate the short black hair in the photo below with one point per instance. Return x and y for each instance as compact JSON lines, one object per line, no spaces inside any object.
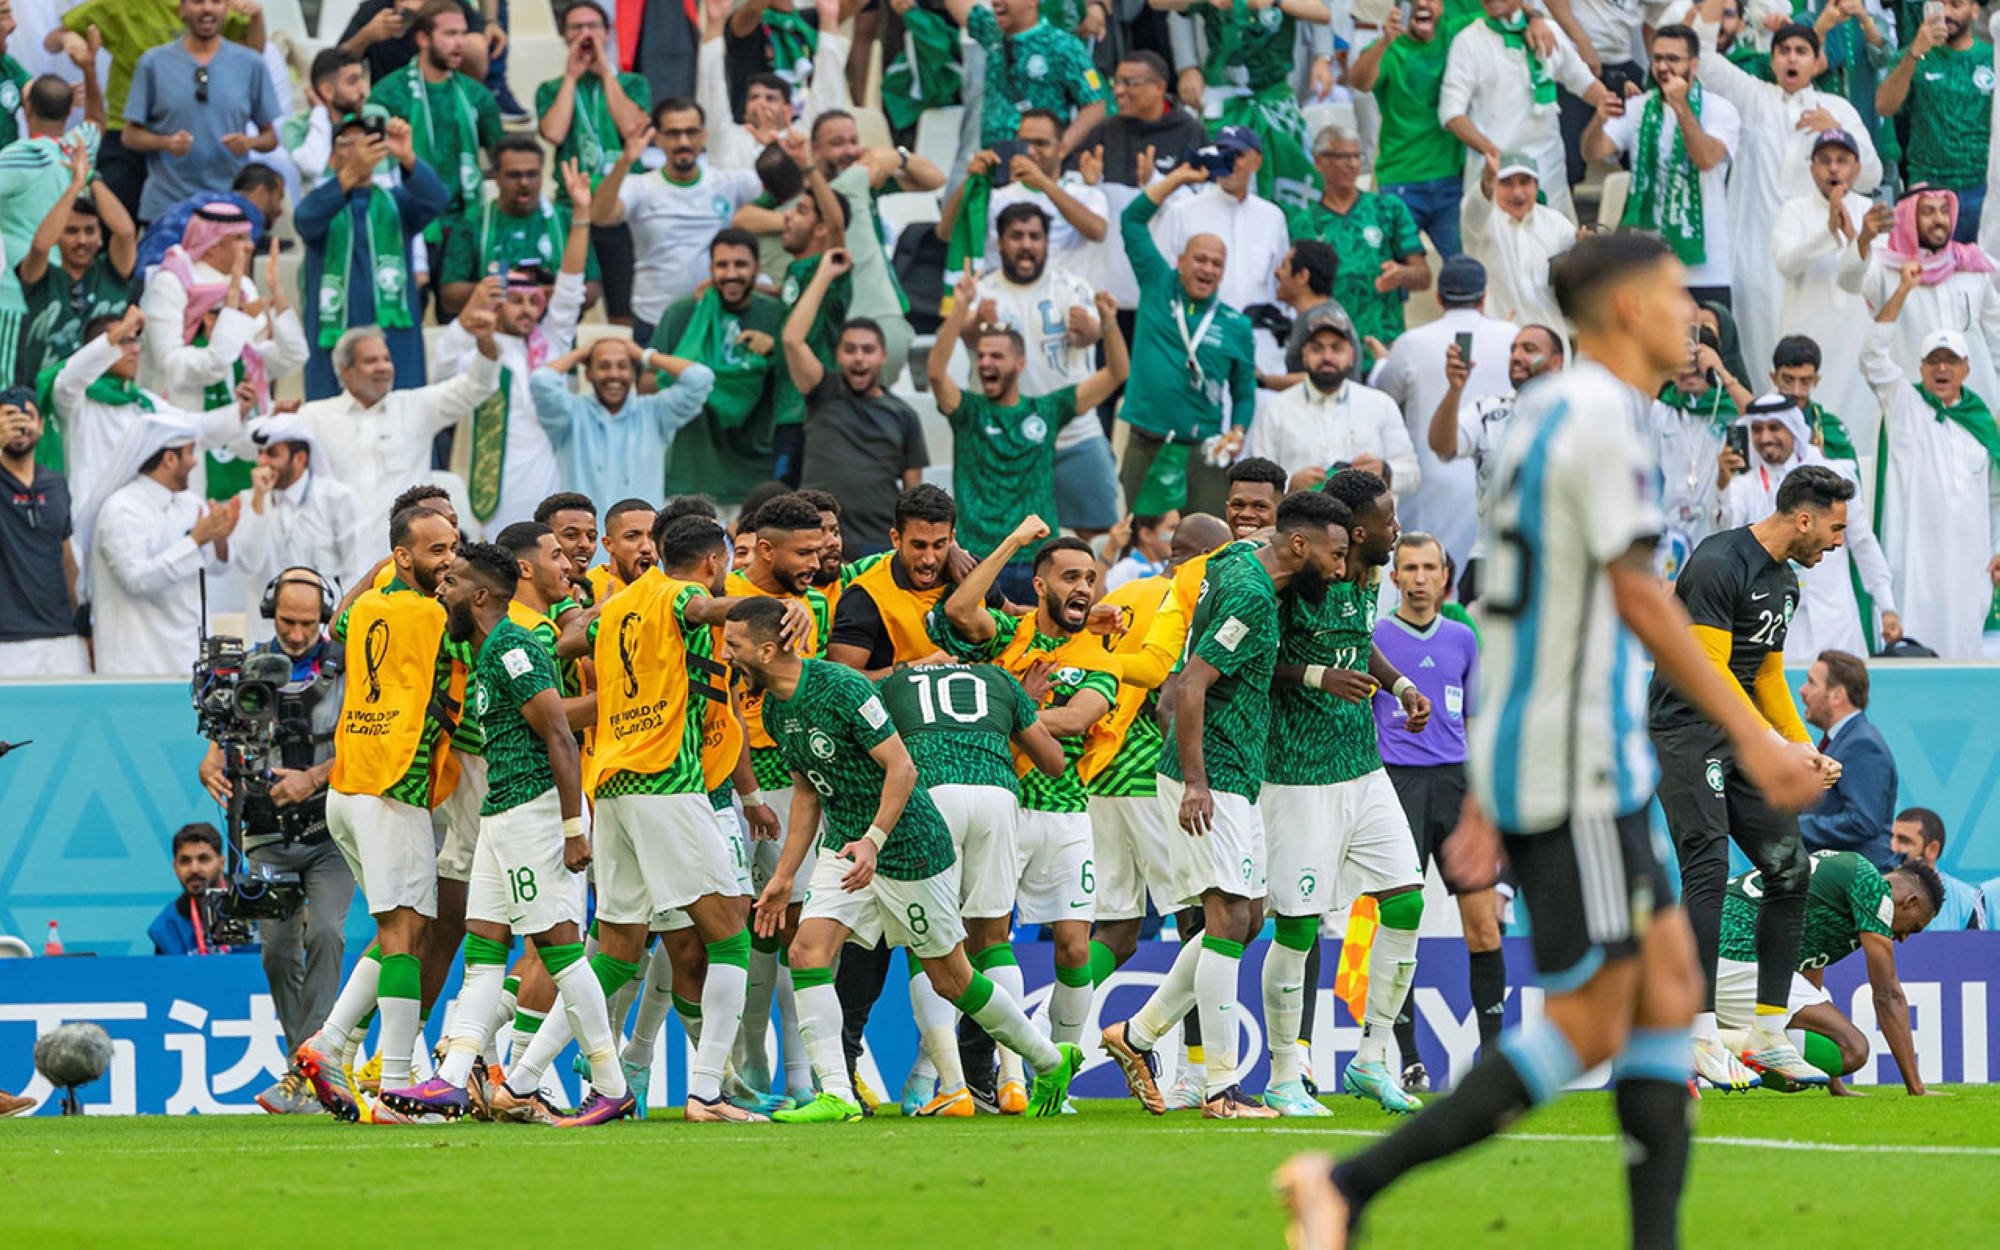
{"x":416,"y":495}
{"x":1258,"y":469}
{"x":624,"y":506}
{"x":820,"y":499}
{"x":101,"y":322}
{"x":1927,"y":880}
{"x":328,"y":64}
{"x":1812,"y":486}
{"x":734,"y":236}
{"x":679,"y":104}
{"x":787,"y":513}
{"x":780,"y":174}
{"x":522,"y":537}
{"x":763,"y":614}
{"x":1555,"y":336}
{"x":49,"y":99}
{"x":1796,"y":30}
{"x":1930,"y":825}
{"x":1676,"y":30}
{"x":1312,"y":510}
{"x":678,"y":506}
{"x":200,"y":831}
{"x":493,"y":565}
{"x":770,"y":81}
{"x":1061,"y":542}
{"x":867,"y":325}
{"x":526,"y":144}
{"x":924,"y":502}
{"x":406,"y":520}
{"x":1599,"y":261}
{"x":255,"y":177}
{"x":1796,"y":351}
{"x":830,"y":115}
{"x":1357,"y":488}
{"x":1153,"y":61}
{"x":1050,"y":116}
{"x":686,"y":540}
{"x":756,"y":497}
{"x":563,"y":11}
{"x":1021,"y":210}
{"x":1318,"y":262}
{"x":564,"y":501}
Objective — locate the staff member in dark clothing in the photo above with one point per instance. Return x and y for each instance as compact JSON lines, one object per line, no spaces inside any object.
{"x":1740,"y":592}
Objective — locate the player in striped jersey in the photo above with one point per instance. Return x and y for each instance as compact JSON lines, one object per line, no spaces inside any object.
{"x":1561,"y":764}
{"x":1076,"y":684}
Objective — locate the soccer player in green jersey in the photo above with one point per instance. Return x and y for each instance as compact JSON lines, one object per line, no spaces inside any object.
{"x":957,"y":721}
{"x":527,"y":869}
{"x":850,"y":765}
{"x":1329,"y":809}
{"x":1211,"y":769}
{"x":1849,"y":906}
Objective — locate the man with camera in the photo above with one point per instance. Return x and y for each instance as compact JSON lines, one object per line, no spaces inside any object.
{"x":284,"y":821}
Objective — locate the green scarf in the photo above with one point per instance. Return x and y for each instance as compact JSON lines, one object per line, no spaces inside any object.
{"x":118,"y":392}
{"x":1834,"y":441}
{"x":556,"y":236}
{"x":489,"y":448}
{"x":49,"y":451}
{"x":1972,"y":415}
{"x":424,"y":130}
{"x":1165,"y":486}
{"x":1666,"y":200}
{"x":926,"y":73}
{"x":968,"y":231}
{"x":1715,"y":404}
{"x":385,"y":262}
{"x":794,"y":39}
{"x":710,"y":339}
{"x":593,"y":122}
{"x":1514,"y":33}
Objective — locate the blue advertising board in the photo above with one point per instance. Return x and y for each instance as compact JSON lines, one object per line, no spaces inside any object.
{"x":199,"y":1035}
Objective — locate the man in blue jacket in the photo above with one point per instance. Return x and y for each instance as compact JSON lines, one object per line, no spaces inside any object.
{"x":1856,"y":813}
{"x":198,"y":863}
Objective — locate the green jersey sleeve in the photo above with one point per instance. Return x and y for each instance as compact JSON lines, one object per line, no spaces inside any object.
{"x":524,"y":672}
{"x":1239,"y":626}
{"x":959,"y":647}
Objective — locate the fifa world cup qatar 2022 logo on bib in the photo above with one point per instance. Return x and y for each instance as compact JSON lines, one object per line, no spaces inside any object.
{"x":628,"y":626}
{"x":374,"y":650}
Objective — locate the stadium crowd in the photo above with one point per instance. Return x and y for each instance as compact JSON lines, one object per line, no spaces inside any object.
{"x":1163,"y":265}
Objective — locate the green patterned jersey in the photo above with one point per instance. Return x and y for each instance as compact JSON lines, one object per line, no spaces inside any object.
{"x":1374,"y":229}
{"x":685,"y":775}
{"x":1234,"y":629}
{"x":958,"y":721}
{"x":1257,"y":49}
{"x":1075,"y":671}
{"x":1041,"y":67}
{"x":1846,"y":899}
{"x":1003,"y":465}
{"x":513,"y":667}
{"x":1131,"y":772}
{"x":1316,"y":739}
{"x":1951,"y":116}
{"x":826,"y":730}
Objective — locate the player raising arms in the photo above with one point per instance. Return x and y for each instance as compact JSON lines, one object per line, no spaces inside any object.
{"x":849,"y":764}
{"x":527,"y":869}
{"x":1561,"y":764}
{"x":1211,"y":769}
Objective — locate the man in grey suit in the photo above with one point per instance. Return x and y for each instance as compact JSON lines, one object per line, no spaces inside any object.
{"x":1856,"y":813}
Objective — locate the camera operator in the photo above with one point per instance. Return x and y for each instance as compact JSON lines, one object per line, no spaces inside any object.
{"x":284,"y":829}
{"x":178,"y":929}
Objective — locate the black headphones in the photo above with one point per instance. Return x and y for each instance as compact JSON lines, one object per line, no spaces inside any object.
{"x":327,"y":599}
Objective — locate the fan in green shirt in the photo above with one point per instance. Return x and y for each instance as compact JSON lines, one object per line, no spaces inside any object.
{"x":1004,"y":442}
{"x":1381,"y":255}
{"x":587,"y":110}
{"x":1030,"y":64}
{"x":451,"y":115}
{"x":1945,"y":82}
{"x":1404,"y":71}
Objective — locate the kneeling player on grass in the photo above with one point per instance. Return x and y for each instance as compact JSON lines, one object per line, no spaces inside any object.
{"x":957,"y":721}
{"x":532,"y":847}
{"x":1561,"y":763}
{"x":1849,"y":906}
{"x":849,"y":763}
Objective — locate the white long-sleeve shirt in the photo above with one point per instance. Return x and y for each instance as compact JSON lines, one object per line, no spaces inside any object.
{"x":381,"y":451}
{"x":1772,"y":164}
{"x":1965,"y":302}
{"x":92,"y":428}
{"x":1517,"y":255}
{"x":531,"y":472}
{"x":1828,"y":616}
{"x":182,"y":371}
{"x":316,"y":522}
{"x":1687,"y":446}
{"x":1487,"y":81}
{"x":730,"y":143}
{"x":1253,"y":230}
{"x":145,"y":595}
{"x":1305,"y":427}
{"x":1809,"y":259}
{"x":1940,"y":512}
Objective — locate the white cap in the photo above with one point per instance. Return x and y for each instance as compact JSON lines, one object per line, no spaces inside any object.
{"x":1946,"y":340}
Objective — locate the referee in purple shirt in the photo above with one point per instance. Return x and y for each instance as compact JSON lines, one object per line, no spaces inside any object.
{"x":1428,"y":769}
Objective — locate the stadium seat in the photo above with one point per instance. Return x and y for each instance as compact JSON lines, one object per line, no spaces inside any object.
{"x":1319,"y":116}
{"x":937,"y":134}
{"x":873,"y":127}
{"x":590,"y":331}
{"x":1611,"y":204}
{"x":285,"y":16}
{"x":531,"y":20}
{"x":903,"y":209}
{"x":533,"y":60}
{"x":334,"y":15}
{"x":12,"y":947}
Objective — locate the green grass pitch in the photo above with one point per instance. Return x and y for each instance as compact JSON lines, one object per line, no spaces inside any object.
{"x":1768,"y":1170}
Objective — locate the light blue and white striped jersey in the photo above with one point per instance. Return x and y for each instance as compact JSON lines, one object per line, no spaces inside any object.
{"x":1562,"y":681}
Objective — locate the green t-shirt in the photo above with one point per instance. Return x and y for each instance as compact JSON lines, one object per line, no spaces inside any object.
{"x":1039,"y":792}
{"x":1235,"y":629}
{"x":486,"y":236}
{"x":826,"y":730}
{"x":1161,"y":396}
{"x":1375,"y":229}
{"x":451,"y":140}
{"x":1047,"y":68}
{"x":513,"y":667}
{"x":726,"y":451}
{"x":592,"y":141}
{"x":59,"y":307}
{"x":1951,"y":117}
{"x":1255,"y":49}
{"x":958,"y":721}
{"x":684,"y":775}
{"x":1316,"y":739}
{"x":13,"y":80}
{"x":414,"y":786}
{"x":1413,"y":146}
{"x":825,"y":331}
{"x":1846,"y":899}
{"x":1003,"y":465}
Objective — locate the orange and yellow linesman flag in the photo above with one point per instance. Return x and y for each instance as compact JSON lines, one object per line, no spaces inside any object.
{"x":1350,"y":983}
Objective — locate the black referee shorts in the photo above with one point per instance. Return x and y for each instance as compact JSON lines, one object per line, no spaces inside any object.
{"x":1592,"y":885}
{"x":1432,"y":796}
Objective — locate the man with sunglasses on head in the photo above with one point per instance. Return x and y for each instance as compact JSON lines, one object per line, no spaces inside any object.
{"x":191,"y":105}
